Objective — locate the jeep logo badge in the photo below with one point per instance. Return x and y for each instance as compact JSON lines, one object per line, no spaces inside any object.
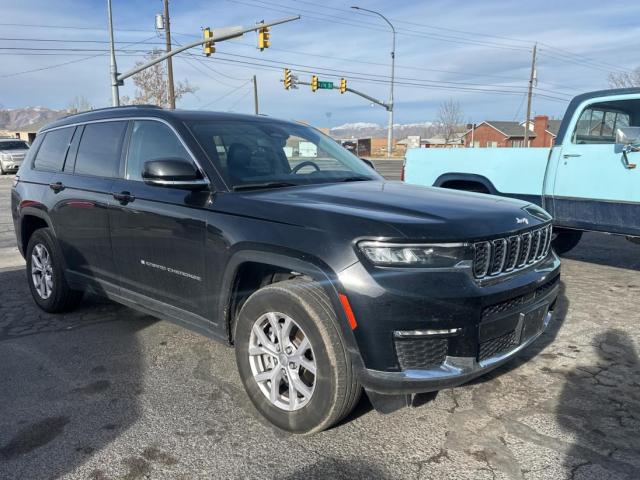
{"x":522,"y":220}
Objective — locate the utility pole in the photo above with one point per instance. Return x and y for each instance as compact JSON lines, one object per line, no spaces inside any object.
{"x":532,"y":79}
{"x":171,"y":95}
{"x":115,"y":95}
{"x":255,"y":94}
{"x":393,"y":61}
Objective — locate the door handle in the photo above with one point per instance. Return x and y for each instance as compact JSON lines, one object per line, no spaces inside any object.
{"x":56,"y":187}
{"x":572,"y":155}
{"x":123,"y":197}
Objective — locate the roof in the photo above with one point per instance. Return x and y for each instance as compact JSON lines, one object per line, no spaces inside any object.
{"x":510,"y":129}
{"x":152,"y":111}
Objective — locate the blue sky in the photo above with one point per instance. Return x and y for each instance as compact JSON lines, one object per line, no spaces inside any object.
{"x":476,"y":52}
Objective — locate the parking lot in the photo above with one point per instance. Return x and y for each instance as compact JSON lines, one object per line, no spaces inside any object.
{"x":109,"y":393}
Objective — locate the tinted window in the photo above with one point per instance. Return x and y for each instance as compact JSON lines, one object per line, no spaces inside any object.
{"x":53,"y":149}
{"x":100,"y":147}
{"x":17,"y":145}
{"x":151,"y":140}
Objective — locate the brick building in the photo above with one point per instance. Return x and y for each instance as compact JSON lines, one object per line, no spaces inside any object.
{"x":494,"y":133}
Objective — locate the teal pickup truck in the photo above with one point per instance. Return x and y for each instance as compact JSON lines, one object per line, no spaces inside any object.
{"x":588,"y":181}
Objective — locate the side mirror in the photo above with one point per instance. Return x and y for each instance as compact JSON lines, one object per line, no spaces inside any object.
{"x":368,"y":162}
{"x":628,"y":136}
{"x":173,"y":172}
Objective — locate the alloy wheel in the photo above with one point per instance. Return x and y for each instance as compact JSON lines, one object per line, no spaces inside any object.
{"x":282,"y":361}
{"x":42,"y":271}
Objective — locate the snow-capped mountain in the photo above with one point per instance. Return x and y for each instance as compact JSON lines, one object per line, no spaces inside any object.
{"x":365,"y":130}
{"x":16,"y":118}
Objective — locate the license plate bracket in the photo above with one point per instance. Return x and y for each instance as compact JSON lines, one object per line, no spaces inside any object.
{"x":531,"y":323}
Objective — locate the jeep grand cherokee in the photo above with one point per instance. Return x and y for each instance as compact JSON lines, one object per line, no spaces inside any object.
{"x":269,"y":236}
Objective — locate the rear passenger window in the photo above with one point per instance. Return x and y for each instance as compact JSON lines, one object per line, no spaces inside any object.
{"x":99,"y":149}
{"x":53,"y":150}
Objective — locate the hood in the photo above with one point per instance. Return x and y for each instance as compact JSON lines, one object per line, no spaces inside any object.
{"x":394,"y":209}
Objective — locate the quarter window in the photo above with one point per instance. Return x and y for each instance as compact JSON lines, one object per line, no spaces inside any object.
{"x":53,"y":150}
{"x":100,"y":147}
{"x":151,"y":140}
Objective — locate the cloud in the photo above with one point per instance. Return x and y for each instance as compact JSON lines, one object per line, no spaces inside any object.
{"x":579,"y":43}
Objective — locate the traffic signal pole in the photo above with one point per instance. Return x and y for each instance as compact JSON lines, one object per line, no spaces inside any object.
{"x":219,"y":35}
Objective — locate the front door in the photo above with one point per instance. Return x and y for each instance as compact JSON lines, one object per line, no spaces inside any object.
{"x":595,"y":189}
{"x":158,"y":232}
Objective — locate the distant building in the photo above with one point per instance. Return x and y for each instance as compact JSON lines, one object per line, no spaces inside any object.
{"x":28,"y":133}
{"x":495,"y":133}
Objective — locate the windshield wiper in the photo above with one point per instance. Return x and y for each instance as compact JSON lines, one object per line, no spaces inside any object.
{"x":256,"y":186}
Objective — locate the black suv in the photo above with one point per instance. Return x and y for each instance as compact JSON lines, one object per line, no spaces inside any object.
{"x":269,"y":236}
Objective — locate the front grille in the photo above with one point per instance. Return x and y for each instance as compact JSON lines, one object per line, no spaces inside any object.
{"x":497,"y":345}
{"x":421,"y":352}
{"x":505,"y":255}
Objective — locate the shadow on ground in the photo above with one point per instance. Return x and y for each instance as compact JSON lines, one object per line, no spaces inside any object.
{"x":70,"y":382}
{"x":339,"y":470}
{"x":608,"y":250}
{"x":600,"y":407}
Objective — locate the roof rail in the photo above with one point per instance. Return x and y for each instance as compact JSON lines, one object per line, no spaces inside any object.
{"x":114,"y":108}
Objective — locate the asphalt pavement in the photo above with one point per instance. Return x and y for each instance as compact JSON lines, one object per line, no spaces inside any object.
{"x":109,"y":393}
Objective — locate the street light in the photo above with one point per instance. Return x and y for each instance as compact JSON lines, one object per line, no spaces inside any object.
{"x":393,"y":59}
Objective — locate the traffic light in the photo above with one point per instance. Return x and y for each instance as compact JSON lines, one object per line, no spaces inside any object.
{"x":343,"y":85}
{"x":287,"y":78}
{"x":263,"y":38}
{"x":208,"y":47}
{"x":314,"y":83}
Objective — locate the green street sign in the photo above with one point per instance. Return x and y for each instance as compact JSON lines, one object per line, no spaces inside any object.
{"x":325,"y":85}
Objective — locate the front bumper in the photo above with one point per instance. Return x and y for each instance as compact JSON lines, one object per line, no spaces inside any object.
{"x":10,"y":165}
{"x":456,"y":370}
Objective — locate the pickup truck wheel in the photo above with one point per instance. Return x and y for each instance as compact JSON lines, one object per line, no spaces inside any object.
{"x":45,"y":274}
{"x":292,"y":359}
{"x":565,"y":240}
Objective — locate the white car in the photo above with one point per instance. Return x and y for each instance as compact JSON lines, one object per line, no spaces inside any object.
{"x":12,"y":152}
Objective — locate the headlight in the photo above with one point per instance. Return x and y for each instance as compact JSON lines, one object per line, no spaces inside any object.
{"x":442,"y":255}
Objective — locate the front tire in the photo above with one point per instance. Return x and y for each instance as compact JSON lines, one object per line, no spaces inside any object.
{"x":565,"y":240}
{"x":45,"y":274}
{"x":292,"y":359}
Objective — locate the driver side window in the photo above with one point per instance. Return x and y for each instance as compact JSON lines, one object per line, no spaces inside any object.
{"x":598,"y":125}
{"x":151,"y":140}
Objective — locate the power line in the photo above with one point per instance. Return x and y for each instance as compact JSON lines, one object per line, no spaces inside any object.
{"x":48,"y":67}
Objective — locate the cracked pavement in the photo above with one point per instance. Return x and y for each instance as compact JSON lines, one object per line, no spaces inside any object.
{"x":108,"y":393}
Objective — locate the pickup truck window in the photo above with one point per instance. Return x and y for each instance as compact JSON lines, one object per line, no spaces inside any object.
{"x":598,"y":126}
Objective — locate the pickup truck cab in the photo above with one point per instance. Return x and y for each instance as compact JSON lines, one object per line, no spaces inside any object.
{"x":588,"y":181}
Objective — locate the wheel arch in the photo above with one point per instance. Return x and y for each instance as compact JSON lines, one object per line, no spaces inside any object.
{"x":31,"y":219}
{"x":291,"y":263}
{"x":451,"y":180}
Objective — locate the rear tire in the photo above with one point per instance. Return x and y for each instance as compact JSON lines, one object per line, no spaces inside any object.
{"x":565,"y":240}
{"x":45,"y":274}
{"x":334,"y":387}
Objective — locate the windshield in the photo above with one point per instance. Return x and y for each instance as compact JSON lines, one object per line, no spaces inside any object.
{"x":13,"y":145}
{"x":276,"y":153}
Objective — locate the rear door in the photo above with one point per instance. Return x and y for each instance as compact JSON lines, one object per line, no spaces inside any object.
{"x":158,"y":232}
{"x":81,"y":211}
{"x":594,"y":189}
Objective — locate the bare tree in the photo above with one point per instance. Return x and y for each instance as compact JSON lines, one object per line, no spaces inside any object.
{"x":625,"y":79}
{"x":151,"y":83}
{"x":79,"y":104}
{"x":449,"y":119}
